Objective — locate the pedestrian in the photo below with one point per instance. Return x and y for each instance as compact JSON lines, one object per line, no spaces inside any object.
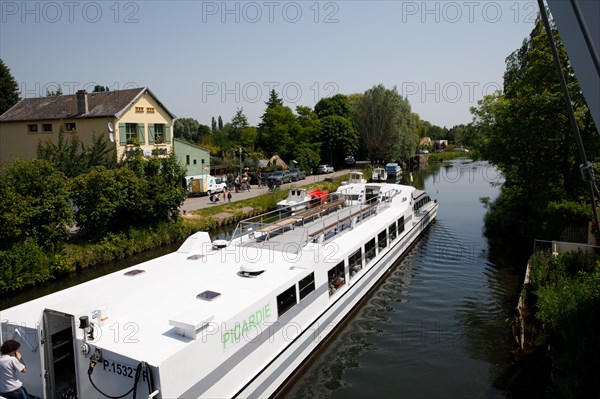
{"x":229,"y":196}
{"x":11,"y":363}
{"x":224,"y":194}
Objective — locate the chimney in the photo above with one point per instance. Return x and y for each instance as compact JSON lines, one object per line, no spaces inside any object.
{"x":82,"y":102}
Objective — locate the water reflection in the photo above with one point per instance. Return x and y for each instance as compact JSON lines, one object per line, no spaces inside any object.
{"x":437,"y":326}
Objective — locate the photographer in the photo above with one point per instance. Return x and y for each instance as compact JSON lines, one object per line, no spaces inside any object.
{"x":11,"y":363}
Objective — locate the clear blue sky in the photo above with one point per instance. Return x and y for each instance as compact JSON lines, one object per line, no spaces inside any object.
{"x":209,"y":58}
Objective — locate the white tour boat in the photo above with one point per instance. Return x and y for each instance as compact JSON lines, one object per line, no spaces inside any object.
{"x":220,"y":319}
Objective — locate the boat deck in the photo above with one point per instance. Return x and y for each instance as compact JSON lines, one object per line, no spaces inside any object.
{"x":299,"y":228}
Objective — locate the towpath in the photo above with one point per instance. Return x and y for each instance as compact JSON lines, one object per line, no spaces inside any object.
{"x":194,"y":203}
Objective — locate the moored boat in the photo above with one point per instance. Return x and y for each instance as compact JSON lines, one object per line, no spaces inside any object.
{"x":379,"y":175}
{"x":229,"y":319}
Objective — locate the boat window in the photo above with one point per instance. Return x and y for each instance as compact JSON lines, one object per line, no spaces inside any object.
{"x":392,"y":230}
{"x":382,"y":240}
{"x":286,"y":300}
{"x":401,"y":225}
{"x":336,"y":278}
{"x":369,"y":250}
{"x":306,"y":285}
{"x":355,"y":262}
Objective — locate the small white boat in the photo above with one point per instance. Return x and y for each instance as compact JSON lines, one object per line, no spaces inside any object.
{"x":379,"y":175}
{"x":297,"y":199}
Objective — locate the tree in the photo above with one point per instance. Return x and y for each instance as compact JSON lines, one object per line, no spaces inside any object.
{"x":187,"y":129}
{"x":276,"y":130}
{"x":213,"y":125}
{"x":100,"y":88}
{"x":338,"y":138}
{"x":9,"y":89}
{"x":34,"y":203}
{"x":70,"y":156}
{"x":383,"y":118}
{"x":274,"y":100}
{"x":220,"y":123}
{"x":53,"y":93}
{"x":336,"y":105}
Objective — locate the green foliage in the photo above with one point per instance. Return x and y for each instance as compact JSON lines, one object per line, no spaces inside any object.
{"x":189,"y":129}
{"x":53,"y":93}
{"x":336,"y":105}
{"x":276,"y":131}
{"x":34,"y":203}
{"x":383,"y":118}
{"x":27,"y":263}
{"x":9,"y":89}
{"x":564,"y":213}
{"x":525,"y":132}
{"x":100,"y":88}
{"x":141,"y":192}
{"x":568,"y":300}
{"x":338,"y":138}
{"x":70,"y":156}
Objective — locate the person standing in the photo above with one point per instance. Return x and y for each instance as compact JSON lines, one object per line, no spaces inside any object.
{"x":11,"y":363}
{"x":229,"y":196}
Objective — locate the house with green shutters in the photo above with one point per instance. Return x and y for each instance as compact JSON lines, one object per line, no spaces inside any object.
{"x":126,"y":118}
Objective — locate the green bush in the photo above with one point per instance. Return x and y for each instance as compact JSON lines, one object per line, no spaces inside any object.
{"x":568,"y":300}
{"x":27,"y":264}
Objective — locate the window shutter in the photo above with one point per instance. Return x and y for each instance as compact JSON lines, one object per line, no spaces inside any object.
{"x":141,"y":133}
{"x":151,"y":138}
{"x":122,"y":134}
{"x":167,"y":134}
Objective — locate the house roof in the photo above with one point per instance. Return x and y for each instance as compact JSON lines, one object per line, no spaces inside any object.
{"x":100,"y":104}
{"x":190,"y":145}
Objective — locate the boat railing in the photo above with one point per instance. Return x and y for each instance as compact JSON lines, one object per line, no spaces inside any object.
{"x":317,"y":224}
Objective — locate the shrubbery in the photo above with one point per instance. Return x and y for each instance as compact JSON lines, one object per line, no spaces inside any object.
{"x":568,"y":299}
{"x":124,"y":209}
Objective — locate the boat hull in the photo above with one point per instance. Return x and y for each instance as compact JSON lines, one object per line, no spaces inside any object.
{"x":273,"y":378}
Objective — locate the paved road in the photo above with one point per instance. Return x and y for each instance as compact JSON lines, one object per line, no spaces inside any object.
{"x":193,"y":203}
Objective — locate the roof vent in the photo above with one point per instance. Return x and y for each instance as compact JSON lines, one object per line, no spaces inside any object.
{"x":208,"y":295}
{"x":219,"y":244}
{"x":134,"y":272}
{"x":195,"y":257}
{"x":251,"y":270}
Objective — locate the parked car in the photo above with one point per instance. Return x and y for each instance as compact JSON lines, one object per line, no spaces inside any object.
{"x":350,"y":161}
{"x":322,"y":169}
{"x":297,"y":174}
{"x":278,"y":178}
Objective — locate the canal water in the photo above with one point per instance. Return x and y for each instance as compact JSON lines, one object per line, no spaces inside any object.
{"x":437,"y":327}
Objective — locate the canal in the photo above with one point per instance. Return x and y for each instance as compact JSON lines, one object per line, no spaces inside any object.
{"x":437,"y":327}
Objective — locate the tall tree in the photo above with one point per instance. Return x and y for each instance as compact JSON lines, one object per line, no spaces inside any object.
{"x":276,"y":130}
{"x":220,"y":123}
{"x":383,"y":118}
{"x":274,"y":100}
{"x":9,"y":89}
{"x":338,"y":139}
{"x":187,"y":128}
{"x":336,"y":105}
{"x":213,"y":125}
